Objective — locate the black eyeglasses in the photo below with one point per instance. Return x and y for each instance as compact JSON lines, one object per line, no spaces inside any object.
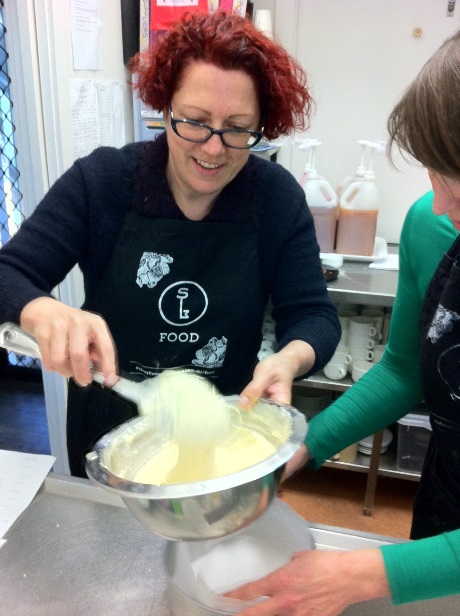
{"x":237,"y":138}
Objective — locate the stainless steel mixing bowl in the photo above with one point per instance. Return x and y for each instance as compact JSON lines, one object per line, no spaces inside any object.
{"x":197,"y":510}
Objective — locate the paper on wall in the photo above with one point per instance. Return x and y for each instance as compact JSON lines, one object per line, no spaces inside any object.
{"x":97,"y":110}
{"x":86,"y":32}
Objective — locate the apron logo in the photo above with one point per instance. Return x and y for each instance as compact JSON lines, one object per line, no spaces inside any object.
{"x":212,"y":355}
{"x":182,"y":295}
{"x":182,"y":337}
{"x":152,"y":268}
{"x":183,"y":303}
{"x":442,"y":323}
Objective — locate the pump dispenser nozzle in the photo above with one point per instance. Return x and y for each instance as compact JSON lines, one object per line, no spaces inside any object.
{"x":370,"y":174}
{"x":313,"y":174}
{"x":361,"y":169}
{"x":309,"y":146}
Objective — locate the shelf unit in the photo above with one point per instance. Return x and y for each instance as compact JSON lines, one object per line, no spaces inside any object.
{"x":359,"y":284}
{"x":387,"y":466}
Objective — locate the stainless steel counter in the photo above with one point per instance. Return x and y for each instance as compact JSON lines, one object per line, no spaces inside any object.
{"x":77,"y":550}
{"x":360,"y":284}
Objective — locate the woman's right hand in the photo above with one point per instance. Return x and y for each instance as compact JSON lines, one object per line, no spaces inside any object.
{"x":317,"y":583}
{"x":70,"y":340}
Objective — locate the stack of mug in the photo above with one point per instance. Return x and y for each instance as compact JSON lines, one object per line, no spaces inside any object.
{"x":337,"y":367}
{"x":360,"y":345}
{"x":362,"y":338}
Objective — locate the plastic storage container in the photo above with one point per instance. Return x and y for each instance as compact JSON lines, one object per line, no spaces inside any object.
{"x":414,"y":431}
{"x":358,"y":212}
{"x":322,"y":201}
{"x":357,"y":216}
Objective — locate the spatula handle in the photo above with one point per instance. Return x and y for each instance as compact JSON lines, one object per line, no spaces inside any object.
{"x":16,"y":340}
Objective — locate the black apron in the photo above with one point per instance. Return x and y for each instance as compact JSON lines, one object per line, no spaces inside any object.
{"x":437,"y":504}
{"x":176,"y":294}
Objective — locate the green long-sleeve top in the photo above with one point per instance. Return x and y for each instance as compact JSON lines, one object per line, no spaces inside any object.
{"x":426,"y":568}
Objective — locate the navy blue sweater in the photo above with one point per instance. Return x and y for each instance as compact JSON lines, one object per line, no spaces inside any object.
{"x":79,"y":219}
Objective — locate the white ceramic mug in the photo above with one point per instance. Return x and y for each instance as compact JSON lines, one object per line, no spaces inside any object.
{"x":358,"y":354}
{"x":360,"y":368}
{"x":340,"y":357}
{"x":377,"y":315}
{"x":342,"y":348}
{"x":361,"y":326}
{"x":345,"y":320}
{"x":335,"y":372}
{"x":361,"y":342}
{"x":379,"y":350}
{"x":344,"y":336}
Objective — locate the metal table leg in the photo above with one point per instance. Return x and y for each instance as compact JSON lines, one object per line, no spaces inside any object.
{"x":373,"y":473}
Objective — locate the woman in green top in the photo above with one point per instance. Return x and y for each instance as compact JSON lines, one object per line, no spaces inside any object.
{"x":420,"y":360}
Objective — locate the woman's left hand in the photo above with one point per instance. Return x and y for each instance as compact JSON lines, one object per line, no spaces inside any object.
{"x":273,"y":375}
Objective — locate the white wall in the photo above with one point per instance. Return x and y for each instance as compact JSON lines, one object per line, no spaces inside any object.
{"x":360,"y":55}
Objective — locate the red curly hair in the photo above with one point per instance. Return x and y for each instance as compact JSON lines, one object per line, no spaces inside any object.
{"x":229,"y":42}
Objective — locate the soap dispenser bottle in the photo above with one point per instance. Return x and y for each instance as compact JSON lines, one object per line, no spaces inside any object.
{"x":322,"y":202}
{"x":358,"y":212}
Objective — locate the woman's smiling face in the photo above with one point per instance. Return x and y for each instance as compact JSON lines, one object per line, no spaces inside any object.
{"x":197,"y":172}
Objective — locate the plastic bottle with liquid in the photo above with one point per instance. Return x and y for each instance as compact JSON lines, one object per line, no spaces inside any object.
{"x":357,"y":217}
{"x":322,"y":202}
{"x":359,"y":174}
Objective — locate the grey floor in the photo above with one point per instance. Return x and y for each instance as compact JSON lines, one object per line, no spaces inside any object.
{"x":23,"y":424}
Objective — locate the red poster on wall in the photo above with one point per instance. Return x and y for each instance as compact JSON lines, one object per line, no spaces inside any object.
{"x":163,"y":13}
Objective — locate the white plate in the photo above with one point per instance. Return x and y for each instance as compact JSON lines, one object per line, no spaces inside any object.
{"x":380,"y":252}
{"x":368,"y":452}
{"x":367,"y":442}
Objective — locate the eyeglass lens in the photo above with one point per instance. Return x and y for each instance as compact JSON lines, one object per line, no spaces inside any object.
{"x":195,"y":132}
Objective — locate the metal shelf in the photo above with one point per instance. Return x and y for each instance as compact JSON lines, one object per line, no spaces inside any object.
{"x":320,"y":381}
{"x":387,"y":466}
{"x":359,"y":284}
{"x":388,"y":461}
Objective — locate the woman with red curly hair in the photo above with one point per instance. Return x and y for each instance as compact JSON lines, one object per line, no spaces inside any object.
{"x":183,"y":241}
{"x":230,"y":43}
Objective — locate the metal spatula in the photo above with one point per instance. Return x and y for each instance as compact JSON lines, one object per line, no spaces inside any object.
{"x":16,"y":340}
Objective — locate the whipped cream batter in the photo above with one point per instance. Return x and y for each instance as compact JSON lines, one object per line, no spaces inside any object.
{"x":207,"y":437}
